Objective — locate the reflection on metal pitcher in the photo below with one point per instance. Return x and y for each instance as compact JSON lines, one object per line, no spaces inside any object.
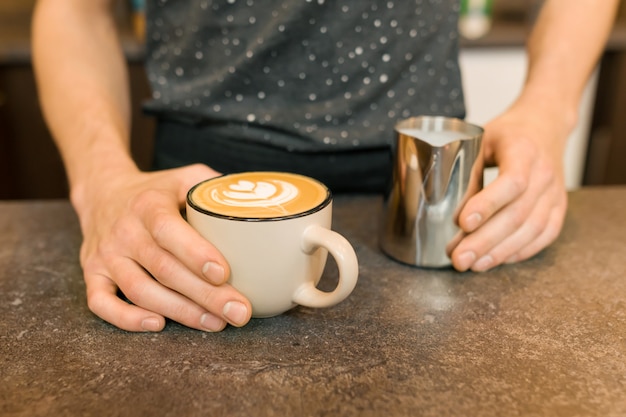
{"x":437,"y":166}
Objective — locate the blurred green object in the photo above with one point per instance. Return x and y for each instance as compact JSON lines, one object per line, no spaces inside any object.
{"x":475,"y":18}
{"x":139,"y":18}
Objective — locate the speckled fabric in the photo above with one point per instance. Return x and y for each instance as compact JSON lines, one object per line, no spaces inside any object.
{"x":303,"y":75}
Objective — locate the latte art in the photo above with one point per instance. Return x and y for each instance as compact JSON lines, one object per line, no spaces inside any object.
{"x":252,"y":195}
{"x":272,"y":193}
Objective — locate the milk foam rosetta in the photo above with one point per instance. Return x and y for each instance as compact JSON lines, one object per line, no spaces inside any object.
{"x":259,"y":195}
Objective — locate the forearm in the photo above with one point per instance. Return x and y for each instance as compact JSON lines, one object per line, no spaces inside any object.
{"x":563,"y":49}
{"x":83,"y":88}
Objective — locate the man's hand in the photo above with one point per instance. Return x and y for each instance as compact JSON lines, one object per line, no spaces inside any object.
{"x":137,"y":242}
{"x":522,"y":211}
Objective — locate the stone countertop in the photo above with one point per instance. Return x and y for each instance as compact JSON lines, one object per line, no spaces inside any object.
{"x":546,"y":337}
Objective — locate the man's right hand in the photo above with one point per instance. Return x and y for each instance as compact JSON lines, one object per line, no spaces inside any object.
{"x":136,"y":242}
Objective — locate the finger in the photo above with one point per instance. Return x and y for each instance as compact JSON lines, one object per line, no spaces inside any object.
{"x":176,"y":236}
{"x":103,"y":301}
{"x":164,"y":222}
{"x":513,"y":229}
{"x":507,"y":203}
{"x":527,"y":232}
{"x":503,"y":191}
{"x":453,"y":243}
{"x":146,"y":292}
{"x":549,"y":235}
{"x":477,"y":244}
{"x":221,"y":300}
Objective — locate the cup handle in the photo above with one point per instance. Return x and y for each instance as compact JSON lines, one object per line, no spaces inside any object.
{"x":317,"y":236}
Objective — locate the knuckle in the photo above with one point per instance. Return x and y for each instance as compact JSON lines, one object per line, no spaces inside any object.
{"x":156,"y":216}
{"x":518,"y":183}
{"x":162,"y":268}
{"x":159,"y":224}
{"x":209,"y":298}
{"x":121,"y":231}
{"x":552,"y":233}
{"x":491,"y":206}
{"x":535,"y":229}
{"x":144,"y":200}
{"x":547,"y":174}
{"x":183,"y":313}
{"x":516,"y":220}
{"x":134,"y":290}
{"x":547,"y":170}
{"x":85,"y":256}
{"x":90,"y":264}
{"x":95,"y":302}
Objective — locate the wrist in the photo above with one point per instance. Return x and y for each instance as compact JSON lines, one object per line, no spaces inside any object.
{"x":100,"y":179}
{"x":549,"y":105}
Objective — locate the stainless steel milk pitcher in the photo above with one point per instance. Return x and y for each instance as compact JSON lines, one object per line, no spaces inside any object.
{"x":437,"y":166}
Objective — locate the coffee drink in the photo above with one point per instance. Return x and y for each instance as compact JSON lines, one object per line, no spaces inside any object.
{"x":259,"y":195}
{"x":274,"y":229}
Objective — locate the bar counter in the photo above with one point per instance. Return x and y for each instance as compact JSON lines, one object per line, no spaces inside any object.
{"x":546,"y":337}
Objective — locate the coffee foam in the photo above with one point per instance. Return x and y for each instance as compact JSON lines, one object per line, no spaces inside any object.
{"x":253,"y":195}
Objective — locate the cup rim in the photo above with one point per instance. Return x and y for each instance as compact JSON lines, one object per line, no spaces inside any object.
{"x":325,"y":202}
{"x":439,"y":123}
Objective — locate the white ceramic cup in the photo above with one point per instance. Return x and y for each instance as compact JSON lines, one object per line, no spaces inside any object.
{"x":273,"y":228}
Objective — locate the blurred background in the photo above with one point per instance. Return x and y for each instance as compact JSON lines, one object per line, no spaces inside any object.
{"x":492,"y":59}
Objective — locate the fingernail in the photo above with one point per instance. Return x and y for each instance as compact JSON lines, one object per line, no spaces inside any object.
{"x":483,"y":264}
{"x":151,"y":324}
{"x":214,"y":272}
{"x":473,"y":221}
{"x":465,"y":260}
{"x":236,"y":313}
{"x":211,"y":323}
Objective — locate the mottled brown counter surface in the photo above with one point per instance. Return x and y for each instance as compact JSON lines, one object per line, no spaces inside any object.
{"x":543,"y":338}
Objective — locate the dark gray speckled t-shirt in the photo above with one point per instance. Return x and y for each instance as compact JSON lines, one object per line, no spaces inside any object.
{"x":304,"y":75}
